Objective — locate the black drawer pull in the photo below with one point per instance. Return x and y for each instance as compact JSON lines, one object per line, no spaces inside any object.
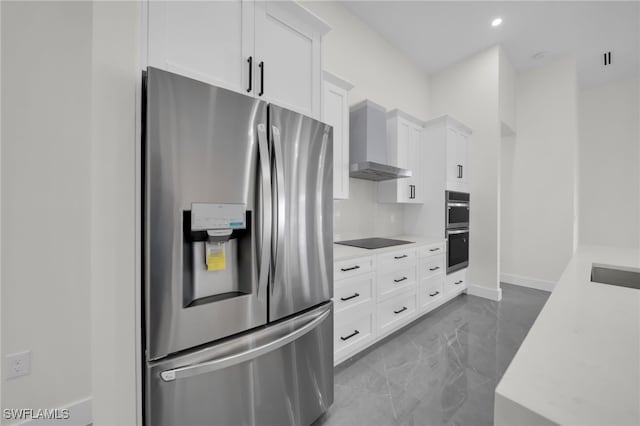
{"x":434,"y":294}
{"x":350,"y":269}
{"x":399,"y":280}
{"x":435,"y":249}
{"x":400,"y":257}
{"x":350,"y":297}
{"x":404,"y":308}
{"x":355,"y":333}
{"x":458,"y":282}
{"x":435,"y":268}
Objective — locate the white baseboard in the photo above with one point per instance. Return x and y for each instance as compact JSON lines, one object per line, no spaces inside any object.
{"x":79,"y":415}
{"x":488,"y":293}
{"x":527,"y":282}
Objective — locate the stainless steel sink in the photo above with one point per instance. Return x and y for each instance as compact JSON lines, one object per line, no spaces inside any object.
{"x":615,"y":275}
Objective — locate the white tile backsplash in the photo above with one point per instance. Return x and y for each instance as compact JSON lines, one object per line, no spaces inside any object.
{"x":361,"y":216}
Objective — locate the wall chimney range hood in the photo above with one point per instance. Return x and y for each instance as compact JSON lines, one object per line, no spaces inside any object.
{"x":368,"y":144}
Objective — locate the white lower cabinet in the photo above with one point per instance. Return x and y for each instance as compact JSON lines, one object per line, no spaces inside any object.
{"x":353,"y":292}
{"x":396,"y":311}
{"x":352,"y":331}
{"x":376,"y":295}
{"x":430,"y":291}
{"x":456,"y":282}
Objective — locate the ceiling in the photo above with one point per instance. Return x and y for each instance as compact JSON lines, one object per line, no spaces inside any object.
{"x":437,"y":34}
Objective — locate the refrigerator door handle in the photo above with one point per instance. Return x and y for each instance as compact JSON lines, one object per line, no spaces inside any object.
{"x":279,"y":204}
{"x":315,"y":318}
{"x":264,"y":207}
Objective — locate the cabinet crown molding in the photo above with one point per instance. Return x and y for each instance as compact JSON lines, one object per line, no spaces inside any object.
{"x":310,"y":18}
{"x":395,"y":113}
{"x":337,"y":80}
{"x":449,"y":121}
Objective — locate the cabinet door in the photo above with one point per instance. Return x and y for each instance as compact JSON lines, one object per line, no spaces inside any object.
{"x":207,"y":41}
{"x":461,"y":149}
{"x":336,"y":113}
{"x":288,"y":55}
{"x":403,"y":160}
{"x":415,"y":164}
{"x":453,"y":169}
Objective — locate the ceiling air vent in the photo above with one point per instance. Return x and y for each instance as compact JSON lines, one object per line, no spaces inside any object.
{"x":607,"y":58}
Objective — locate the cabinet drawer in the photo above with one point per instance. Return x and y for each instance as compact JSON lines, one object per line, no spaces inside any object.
{"x":431,"y":266}
{"x":431,"y":250}
{"x":430,"y":290}
{"x":354,"y":291}
{"x":352,"y":332}
{"x":396,"y":311}
{"x":396,"y":281}
{"x":456,"y":281}
{"x":397,"y":259}
{"x":348,"y":268}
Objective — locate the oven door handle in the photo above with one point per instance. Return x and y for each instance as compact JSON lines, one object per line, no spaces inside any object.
{"x":457,"y":205}
{"x":457,"y":231}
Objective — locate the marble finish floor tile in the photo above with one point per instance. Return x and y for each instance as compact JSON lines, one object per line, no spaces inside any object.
{"x":441,"y":370}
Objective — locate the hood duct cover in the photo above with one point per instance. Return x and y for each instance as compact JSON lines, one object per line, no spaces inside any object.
{"x":368,"y":144}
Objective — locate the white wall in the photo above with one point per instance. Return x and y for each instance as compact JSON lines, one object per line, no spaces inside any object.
{"x":383,"y":74}
{"x":46,"y":128}
{"x":540,"y":175}
{"x":468,"y":91}
{"x":609,"y":206}
{"x":115,"y":214}
{"x":507,"y":92}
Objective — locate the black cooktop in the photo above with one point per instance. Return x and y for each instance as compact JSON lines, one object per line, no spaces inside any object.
{"x":373,"y":243}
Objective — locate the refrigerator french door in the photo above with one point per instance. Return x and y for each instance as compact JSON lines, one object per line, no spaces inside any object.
{"x":237,"y":258}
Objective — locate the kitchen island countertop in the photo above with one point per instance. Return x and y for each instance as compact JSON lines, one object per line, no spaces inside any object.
{"x":580,"y":362}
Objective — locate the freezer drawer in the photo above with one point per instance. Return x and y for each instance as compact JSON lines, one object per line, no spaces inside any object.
{"x":278,"y":375}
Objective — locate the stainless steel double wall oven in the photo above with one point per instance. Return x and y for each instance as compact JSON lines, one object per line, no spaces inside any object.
{"x":457,"y":230}
{"x":238,"y":324}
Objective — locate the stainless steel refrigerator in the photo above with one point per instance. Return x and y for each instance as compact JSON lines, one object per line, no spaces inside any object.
{"x":238,"y":321}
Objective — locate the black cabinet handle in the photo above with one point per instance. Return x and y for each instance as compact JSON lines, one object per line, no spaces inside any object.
{"x":250,"y":61}
{"x":400,"y":280}
{"x":461,"y":171}
{"x":404,"y":308}
{"x":350,"y":297}
{"x":355,"y":333}
{"x":350,"y":269}
{"x":261,"y":66}
{"x":458,"y":282}
{"x":400,"y":257}
{"x":435,"y":249}
{"x":435,"y":268}
{"x":434,"y":294}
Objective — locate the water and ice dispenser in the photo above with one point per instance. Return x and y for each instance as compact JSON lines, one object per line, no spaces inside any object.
{"x":217,"y":253}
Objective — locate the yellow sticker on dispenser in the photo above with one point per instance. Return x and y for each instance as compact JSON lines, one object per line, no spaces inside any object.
{"x":216,"y":261}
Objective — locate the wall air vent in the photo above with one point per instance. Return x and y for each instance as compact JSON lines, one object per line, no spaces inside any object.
{"x":607,"y":58}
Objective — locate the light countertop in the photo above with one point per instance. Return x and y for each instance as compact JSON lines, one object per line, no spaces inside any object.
{"x":580,"y":362}
{"x":341,"y":252}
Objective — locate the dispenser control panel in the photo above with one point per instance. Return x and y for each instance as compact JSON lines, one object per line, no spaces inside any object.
{"x":206,"y":216}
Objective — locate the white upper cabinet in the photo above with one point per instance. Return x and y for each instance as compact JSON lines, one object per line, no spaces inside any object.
{"x":457,"y":170}
{"x":207,"y":41}
{"x":288,"y":48}
{"x":447,"y":142}
{"x":266,"y":49}
{"x":335,"y":112}
{"x":404,"y":144}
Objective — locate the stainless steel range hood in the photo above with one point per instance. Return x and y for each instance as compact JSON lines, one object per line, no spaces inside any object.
{"x":368,"y":144}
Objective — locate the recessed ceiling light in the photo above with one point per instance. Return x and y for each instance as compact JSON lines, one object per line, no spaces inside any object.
{"x":496,"y":22}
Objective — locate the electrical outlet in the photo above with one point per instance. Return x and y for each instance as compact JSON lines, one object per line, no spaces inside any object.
{"x":18,"y":364}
